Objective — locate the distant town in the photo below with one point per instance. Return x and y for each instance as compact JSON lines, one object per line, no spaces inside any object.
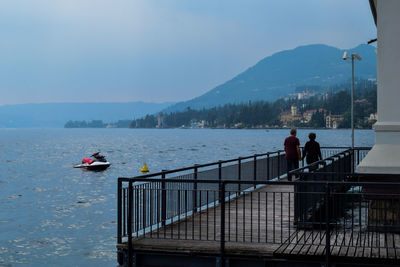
{"x":306,"y":108}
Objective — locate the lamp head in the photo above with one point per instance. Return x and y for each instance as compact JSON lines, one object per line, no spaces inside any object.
{"x":345,"y":55}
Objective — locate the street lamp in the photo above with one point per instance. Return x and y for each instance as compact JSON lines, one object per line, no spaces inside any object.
{"x":353,"y":56}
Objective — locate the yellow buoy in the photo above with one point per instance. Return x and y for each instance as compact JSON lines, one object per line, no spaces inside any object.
{"x":144,"y":169}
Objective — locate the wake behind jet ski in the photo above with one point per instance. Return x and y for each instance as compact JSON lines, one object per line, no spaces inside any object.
{"x":97,"y":164}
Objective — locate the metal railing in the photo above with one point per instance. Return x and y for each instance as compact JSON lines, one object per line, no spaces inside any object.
{"x":247,"y":219}
{"x":331,"y":169}
{"x":258,"y":167}
{"x":349,"y":219}
{"x":227,"y":204}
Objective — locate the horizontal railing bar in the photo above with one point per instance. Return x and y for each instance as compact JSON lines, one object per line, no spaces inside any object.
{"x":269,"y":182}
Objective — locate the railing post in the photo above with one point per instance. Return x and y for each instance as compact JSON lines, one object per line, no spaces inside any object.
{"x":327,"y":226}
{"x":268,"y":175}
{"x":352,"y":161}
{"x":119,"y":226}
{"x":220,"y":170}
{"x":163,"y":199}
{"x":336,"y":163}
{"x":324,"y":166}
{"x":129,"y":226}
{"x":239,"y":173}
{"x":279,"y":163}
{"x":348,"y":163}
{"x":345,"y":161}
{"x":222,"y":231}
{"x":195,"y":188}
{"x":255,"y":169}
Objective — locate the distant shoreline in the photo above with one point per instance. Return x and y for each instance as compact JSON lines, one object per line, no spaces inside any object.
{"x":188,"y":128}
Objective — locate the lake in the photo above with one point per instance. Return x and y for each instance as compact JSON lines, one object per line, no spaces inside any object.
{"x":54,"y":215}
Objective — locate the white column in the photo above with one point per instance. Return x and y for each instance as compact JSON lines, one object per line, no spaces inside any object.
{"x":385,"y":154}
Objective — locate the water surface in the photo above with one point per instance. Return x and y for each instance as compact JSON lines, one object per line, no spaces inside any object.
{"x":54,"y":215}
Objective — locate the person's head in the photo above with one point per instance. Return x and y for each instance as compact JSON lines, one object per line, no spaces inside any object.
{"x":312,"y":136}
{"x":293,"y":132}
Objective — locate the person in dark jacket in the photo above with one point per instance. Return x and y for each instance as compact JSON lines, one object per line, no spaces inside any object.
{"x":292,"y":152}
{"x":312,"y":150}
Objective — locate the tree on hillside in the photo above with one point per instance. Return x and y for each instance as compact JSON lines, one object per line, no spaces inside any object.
{"x":338,"y":103}
{"x":346,"y":122}
{"x":318,"y":120}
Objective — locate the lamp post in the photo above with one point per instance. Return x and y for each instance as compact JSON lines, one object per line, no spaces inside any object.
{"x":353,"y":56}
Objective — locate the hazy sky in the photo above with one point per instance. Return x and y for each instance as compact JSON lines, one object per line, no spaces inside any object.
{"x":156,"y":50}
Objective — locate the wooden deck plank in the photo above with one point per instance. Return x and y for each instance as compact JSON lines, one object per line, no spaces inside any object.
{"x":336,"y":243}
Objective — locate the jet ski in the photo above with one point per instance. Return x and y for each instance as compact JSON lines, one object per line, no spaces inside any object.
{"x":97,"y":164}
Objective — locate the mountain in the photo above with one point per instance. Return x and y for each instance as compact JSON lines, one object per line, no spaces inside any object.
{"x":278,"y":75}
{"x":57,"y":114}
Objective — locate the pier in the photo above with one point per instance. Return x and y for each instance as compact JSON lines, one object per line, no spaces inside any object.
{"x":244,"y":212}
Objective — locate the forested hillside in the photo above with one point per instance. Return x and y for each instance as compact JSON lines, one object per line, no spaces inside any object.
{"x":264,"y":114}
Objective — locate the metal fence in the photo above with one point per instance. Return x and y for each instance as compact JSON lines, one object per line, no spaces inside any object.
{"x":153,"y":201}
{"x":259,"y":167}
{"x":334,"y":168}
{"x":329,"y":211}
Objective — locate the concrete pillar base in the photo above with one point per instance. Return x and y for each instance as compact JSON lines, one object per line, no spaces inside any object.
{"x":384,"y":156}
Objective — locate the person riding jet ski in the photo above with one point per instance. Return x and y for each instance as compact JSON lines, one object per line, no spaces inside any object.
{"x":99,"y":157}
{"x":99,"y":162}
